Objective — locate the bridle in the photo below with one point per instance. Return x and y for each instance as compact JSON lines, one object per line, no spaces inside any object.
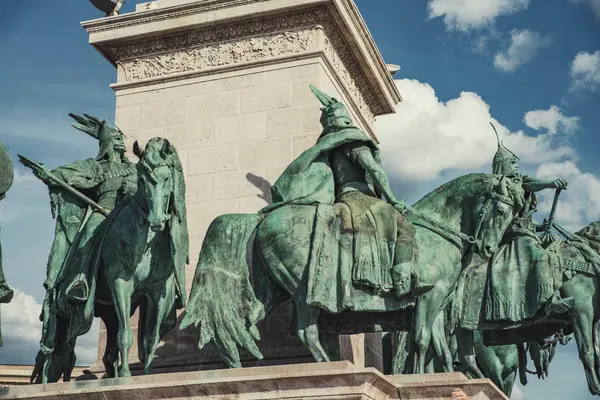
{"x":451,"y":234}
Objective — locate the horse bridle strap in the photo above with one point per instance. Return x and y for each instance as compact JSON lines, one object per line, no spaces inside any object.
{"x":440,"y":227}
{"x":443,"y":230}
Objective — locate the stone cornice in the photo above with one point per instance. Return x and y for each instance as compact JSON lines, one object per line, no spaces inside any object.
{"x":373,"y":51}
{"x":160,"y":14}
{"x":200,"y":51}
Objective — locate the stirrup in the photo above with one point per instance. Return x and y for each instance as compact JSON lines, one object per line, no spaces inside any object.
{"x":421,"y":289}
{"x":560,"y":306}
{"x":78,"y":291}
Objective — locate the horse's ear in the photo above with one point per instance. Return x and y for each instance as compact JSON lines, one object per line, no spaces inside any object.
{"x":137,"y":150}
{"x":166,"y":148}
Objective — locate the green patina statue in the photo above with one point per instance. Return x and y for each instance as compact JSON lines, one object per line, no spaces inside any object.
{"x":104,"y":208}
{"x":521,"y":260}
{"x":350,"y":260}
{"x":6,"y":180}
{"x":527,"y":291}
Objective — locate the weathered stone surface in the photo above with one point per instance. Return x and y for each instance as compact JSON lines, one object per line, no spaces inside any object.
{"x":337,"y":380}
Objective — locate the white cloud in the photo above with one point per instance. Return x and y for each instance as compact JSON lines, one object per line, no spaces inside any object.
{"x":464,"y":15}
{"x":22,"y":330}
{"x":585,"y":71}
{"x":593,"y":4}
{"x":426,"y":137}
{"x":523,"y":46}
{"x":427,"y":141}
{"x":552,"y":120}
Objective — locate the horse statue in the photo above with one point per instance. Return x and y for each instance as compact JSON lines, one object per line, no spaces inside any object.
{"x":304,"y":247}
{"x":137,"y":259}
{"x":577,"y":268}
{"x":144,"y":254}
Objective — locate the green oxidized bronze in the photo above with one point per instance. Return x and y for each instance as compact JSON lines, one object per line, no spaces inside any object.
{"x":532,"y":288}
{"x":350,"y":260}
{"x":6,"y":179}
{"x":104,"y":217}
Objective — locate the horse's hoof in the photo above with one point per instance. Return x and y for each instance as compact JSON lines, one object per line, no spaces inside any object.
{"x":124,"y":374}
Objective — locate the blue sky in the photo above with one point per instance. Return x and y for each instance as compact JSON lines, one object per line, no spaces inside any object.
{"x":531,"y":66}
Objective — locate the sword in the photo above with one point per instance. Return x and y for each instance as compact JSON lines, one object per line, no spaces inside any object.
{"x":35,"y":166}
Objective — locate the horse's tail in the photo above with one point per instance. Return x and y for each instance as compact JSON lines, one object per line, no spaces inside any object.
{"x":522,"y":364}
{"x":222,"y":302}
{"x":402,"y":361}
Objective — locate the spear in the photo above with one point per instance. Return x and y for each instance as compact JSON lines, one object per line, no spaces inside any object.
{"x":35,"y":166}
{"x":547,"y":238}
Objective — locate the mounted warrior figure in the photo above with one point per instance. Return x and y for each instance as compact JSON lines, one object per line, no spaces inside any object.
{"x":359,"y":182}
{"x":522,"y":281}
{"x":81,"y":195}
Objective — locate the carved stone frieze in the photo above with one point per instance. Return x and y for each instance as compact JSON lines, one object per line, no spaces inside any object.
{"x":244,"y":50}
{"x":252,"y":41}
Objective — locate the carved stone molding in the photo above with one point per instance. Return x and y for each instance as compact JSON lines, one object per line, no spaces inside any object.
{"x":252,"y":41}
{"x":244,"y":50}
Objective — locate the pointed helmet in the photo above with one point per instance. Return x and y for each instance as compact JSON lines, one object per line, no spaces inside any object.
{"x":502,"y":157}
{"x":106,"y":136}
{"x":334,"y":114}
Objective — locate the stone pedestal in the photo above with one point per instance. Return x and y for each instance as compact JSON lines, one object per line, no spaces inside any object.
{"x":227,"y":81}
{"x":326,"y":381}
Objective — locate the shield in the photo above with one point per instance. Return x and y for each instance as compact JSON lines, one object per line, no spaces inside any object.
{"x":7,"y":172}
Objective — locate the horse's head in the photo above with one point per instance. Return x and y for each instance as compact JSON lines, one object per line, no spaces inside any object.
{"x":157,"y":180}
{"x":500,"y":204}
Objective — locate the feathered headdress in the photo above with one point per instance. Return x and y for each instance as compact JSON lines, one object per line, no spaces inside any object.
{"x":99,"y":130}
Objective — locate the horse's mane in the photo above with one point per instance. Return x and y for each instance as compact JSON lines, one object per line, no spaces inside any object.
{"x":590,"y":232}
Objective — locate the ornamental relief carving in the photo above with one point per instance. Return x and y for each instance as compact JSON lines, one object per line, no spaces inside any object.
{"x":219,"y":54}
{"x":235,"y":44}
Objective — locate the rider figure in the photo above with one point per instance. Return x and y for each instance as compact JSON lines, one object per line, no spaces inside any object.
{"x":523,"y":226}
{"x":104,"y":179}
{"x":360,"y":181}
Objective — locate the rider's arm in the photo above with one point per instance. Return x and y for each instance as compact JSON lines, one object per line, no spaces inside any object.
{"x":82,"y":174}
{"x":362,"y":156}
{"x":535,"y":185}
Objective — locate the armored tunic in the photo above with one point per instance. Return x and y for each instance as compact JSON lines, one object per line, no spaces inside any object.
{"x":523,"y":275}
{"x":382,"y":236}
{"x":105,"y":183}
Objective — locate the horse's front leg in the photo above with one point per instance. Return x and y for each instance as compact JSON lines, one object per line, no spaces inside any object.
{"x":440,"y":344}
{"x":583,"y":323}
{"x":428,"y":307}
{"x":159,"y":307}
{"x":122,"y":291}
{"x":466,"y":351}
{"x":308,"y":330}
